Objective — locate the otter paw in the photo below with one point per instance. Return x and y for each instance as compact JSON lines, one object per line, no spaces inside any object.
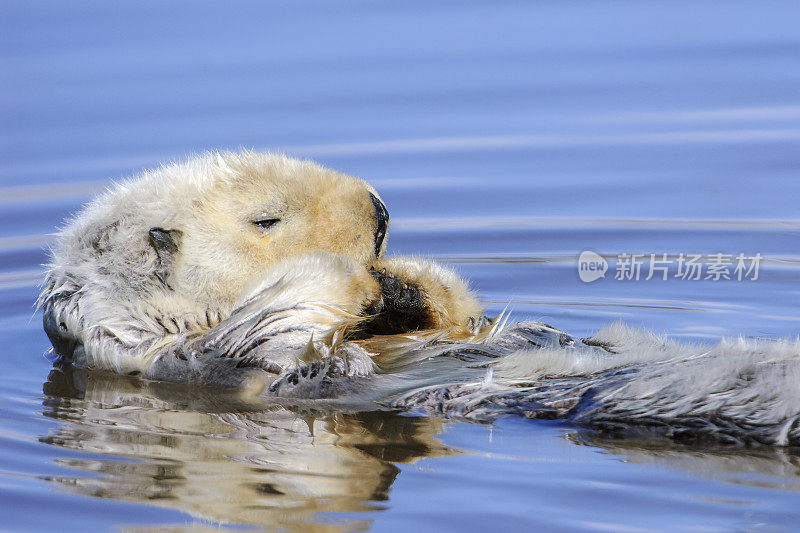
{"x":302,"y":381}
{"x":397,"y":295}
{"x":401,"y":307}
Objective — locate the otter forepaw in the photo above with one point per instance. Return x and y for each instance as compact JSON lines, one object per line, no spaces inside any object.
{"x":418,"y":294}
{"x":402,"y":306}
{"x":398,"y":294}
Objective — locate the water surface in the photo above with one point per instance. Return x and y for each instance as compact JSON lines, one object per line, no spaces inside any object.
{"x":505,"y":139}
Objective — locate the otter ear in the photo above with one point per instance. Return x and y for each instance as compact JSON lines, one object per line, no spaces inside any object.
{"x":165,"y":242}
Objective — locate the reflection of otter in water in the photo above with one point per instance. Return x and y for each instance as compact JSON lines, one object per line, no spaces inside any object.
{"x":764,"y":466}
{"x":226,"y":459}
{"x":231,"y":460}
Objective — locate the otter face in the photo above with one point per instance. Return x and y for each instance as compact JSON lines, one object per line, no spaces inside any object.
{"x":260,"y":210}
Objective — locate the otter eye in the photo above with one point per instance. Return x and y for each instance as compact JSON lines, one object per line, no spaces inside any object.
{"x":266,"y":223}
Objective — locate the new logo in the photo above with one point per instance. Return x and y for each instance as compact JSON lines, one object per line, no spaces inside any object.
{"x":591,"y":266}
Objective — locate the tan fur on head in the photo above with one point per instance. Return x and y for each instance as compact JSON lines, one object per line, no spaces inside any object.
{"x":319,"y":209}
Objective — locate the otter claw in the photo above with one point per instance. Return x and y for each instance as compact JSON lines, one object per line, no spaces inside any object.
{"x":316,"y":371}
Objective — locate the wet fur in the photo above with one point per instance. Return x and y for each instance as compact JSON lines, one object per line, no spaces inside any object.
{"x":625,"y":382}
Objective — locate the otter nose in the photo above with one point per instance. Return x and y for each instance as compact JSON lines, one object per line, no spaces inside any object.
{"x":382,"y":217}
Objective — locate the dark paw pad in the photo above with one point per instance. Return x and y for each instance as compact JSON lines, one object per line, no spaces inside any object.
{"x":402,"y":307}
{"x":398,"y":295}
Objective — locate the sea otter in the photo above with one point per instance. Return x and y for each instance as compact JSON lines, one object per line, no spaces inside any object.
{"x":268,"y":274}
{"x":224,"y":267}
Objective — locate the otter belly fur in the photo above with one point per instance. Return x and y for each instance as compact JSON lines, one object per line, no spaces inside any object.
{"x":268,"y":274}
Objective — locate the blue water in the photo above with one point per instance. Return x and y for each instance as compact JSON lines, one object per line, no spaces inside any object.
{"x":505,"y":138}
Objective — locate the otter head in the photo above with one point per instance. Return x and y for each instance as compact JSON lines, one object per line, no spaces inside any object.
{"x":259,"y":210}
{"x":189,"y":238}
